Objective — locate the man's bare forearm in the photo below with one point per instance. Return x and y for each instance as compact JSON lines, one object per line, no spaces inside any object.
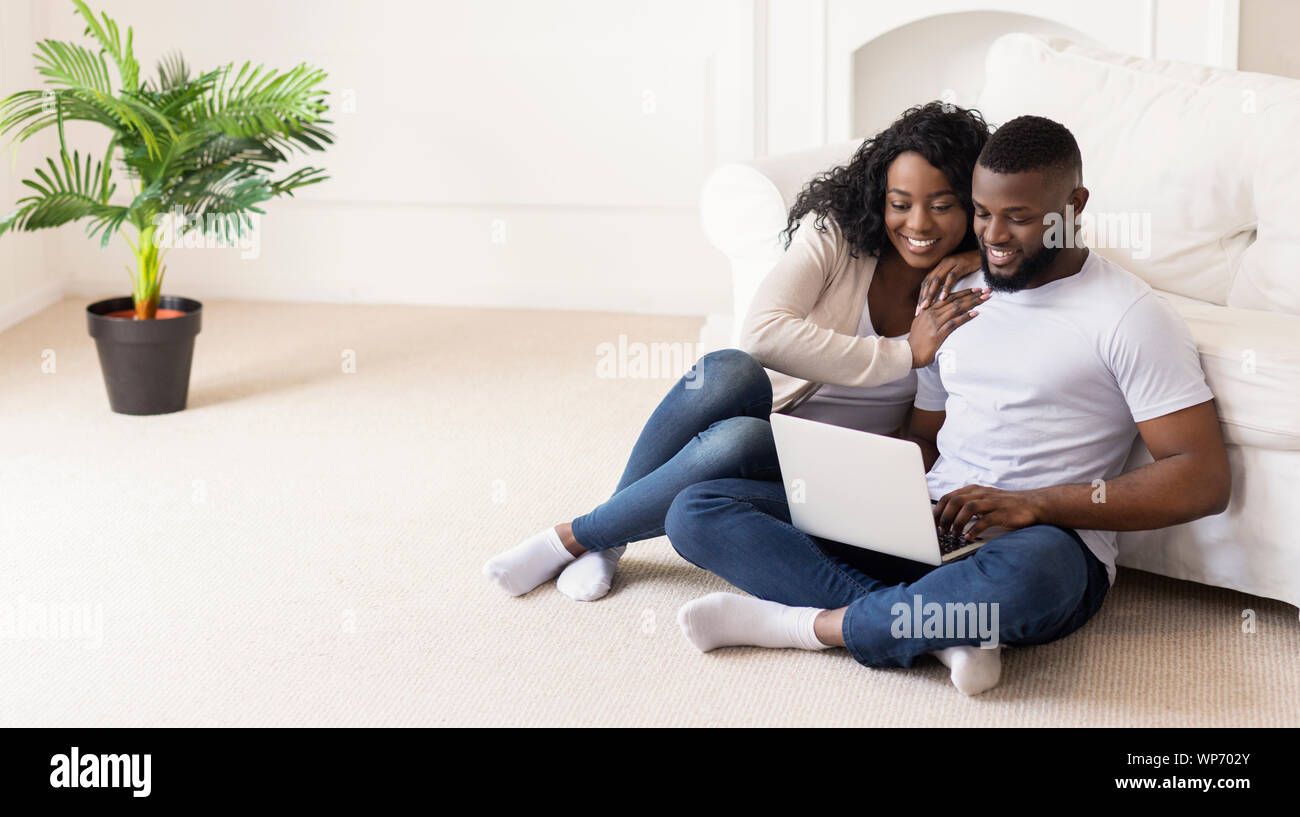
{"x":1167,"y":492}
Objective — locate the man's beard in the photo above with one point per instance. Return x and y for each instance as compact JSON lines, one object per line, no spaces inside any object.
{"x":1030,"y":268}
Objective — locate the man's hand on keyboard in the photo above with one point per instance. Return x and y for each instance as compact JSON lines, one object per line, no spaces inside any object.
{"x":984,"y":507}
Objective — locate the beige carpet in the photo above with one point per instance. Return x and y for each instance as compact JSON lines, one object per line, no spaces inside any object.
{"x":302,"y":546}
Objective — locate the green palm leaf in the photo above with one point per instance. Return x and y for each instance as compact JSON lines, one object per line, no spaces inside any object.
{"x":110,"y":39}
{"x":299,"y":178}
{"x":258,"y":102}
{"x":222,"y":201}
{"x":72,"y":66}
{"x":29,"y":112}
{"x":173,"y":73}
{"x":28,"y":109}
{"x":69,"y":191}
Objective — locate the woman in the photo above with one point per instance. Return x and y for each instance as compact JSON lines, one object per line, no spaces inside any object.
{"x":841,"y":322}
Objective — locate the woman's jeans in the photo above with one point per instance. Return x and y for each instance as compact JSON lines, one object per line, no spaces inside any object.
{"x":712,"y":424}
{"x":1029,"y":586}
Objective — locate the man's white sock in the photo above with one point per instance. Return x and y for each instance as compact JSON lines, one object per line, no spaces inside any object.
{"x":590,"y":575}
{"x":535,"y":560}
{"x":974,"y":669}
{"x":729,"y":620}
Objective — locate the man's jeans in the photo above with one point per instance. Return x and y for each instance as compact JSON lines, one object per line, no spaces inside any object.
{"x":712,"y":424}
{"x":1044,"y":580}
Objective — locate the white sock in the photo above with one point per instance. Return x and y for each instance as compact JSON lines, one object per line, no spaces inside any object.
{"x":728,"y":620}
{"x":974,"y":669}
{"x":529,"y":563}
{"x":590,"y":575}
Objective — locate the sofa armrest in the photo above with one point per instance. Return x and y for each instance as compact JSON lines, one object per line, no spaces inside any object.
{"x":743,"y":205}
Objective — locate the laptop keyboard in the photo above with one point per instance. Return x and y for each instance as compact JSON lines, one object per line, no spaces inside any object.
{"x":949,"y":542}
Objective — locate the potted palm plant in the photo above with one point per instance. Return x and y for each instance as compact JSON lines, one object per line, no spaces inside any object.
{"x":198,"y":152}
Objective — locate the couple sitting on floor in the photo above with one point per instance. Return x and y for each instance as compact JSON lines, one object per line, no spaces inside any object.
{"x":923,"y":294}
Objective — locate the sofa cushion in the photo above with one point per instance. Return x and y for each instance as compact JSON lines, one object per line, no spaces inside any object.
{"x":1252,"y":364}
{"x":1202,"y":155}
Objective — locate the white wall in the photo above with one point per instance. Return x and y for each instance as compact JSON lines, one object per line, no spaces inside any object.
{"x":490,"y":152}
{"x":1267,"y":34}
{"x":26,"y":286}
{"x":540,"y":153}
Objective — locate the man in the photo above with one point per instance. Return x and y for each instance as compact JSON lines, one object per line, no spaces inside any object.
{"x":1025,"y":418}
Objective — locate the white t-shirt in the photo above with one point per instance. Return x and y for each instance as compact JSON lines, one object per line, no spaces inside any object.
{"x":1045,"y":386}
{"x":878,"y":409}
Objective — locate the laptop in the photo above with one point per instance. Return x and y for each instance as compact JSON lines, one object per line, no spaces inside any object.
{"x":863,"y":489}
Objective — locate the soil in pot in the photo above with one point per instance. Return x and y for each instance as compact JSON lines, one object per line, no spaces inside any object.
{"x":162,"y":314}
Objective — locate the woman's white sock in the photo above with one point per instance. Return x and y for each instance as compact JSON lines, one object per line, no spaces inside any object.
{"x":974,"y":669}
{"x":535,"y":560}
{"x":590,"y":575}
{"x":728,"y":620}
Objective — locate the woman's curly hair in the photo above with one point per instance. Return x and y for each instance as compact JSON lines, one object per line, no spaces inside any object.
{"x":949,"y":137}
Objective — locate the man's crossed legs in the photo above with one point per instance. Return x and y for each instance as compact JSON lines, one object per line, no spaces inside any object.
{"x":1036,"y":584}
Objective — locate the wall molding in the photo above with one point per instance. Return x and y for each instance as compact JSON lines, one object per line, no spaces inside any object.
{"x":1203,"y":31}
{"x":1224,"y":33}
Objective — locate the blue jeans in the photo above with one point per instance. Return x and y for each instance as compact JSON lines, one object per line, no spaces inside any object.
{"x":1044,"y":580}
{"x":712,"y":424}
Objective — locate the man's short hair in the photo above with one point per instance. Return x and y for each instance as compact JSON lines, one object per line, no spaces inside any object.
{"x":1033,"y":143}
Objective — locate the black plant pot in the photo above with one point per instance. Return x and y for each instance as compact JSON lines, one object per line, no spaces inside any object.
{"x":146,"y":364}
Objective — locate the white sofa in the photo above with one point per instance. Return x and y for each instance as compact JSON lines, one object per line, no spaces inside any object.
{"x":1213,"y":158}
